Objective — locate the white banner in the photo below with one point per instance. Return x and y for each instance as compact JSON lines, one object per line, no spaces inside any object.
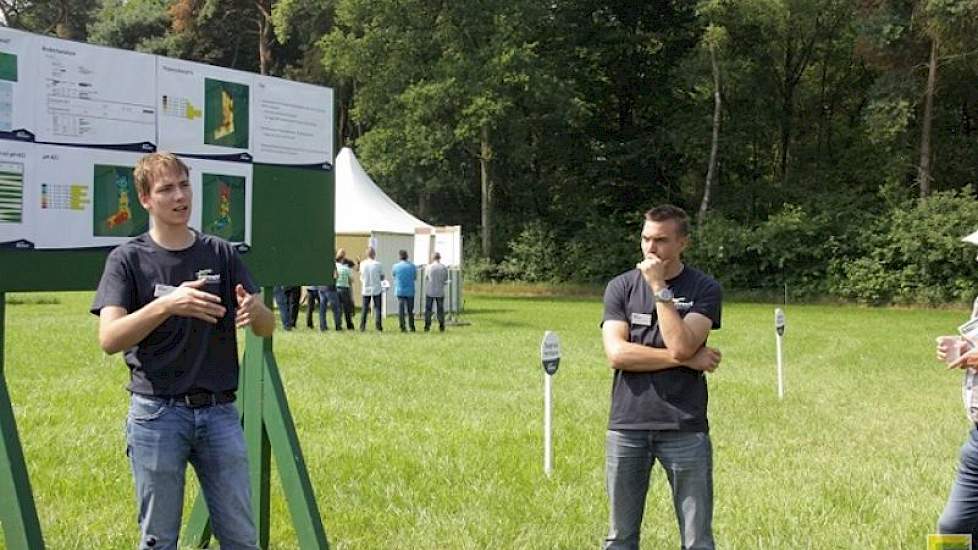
{"x":93,"y":95}
{"x":17,"y":196}
{"x":203,"y":110}
{"x":292,"y":122}
{"x":17,"y":80}
{"x":87,"y":197}
{"x":222,"y":199}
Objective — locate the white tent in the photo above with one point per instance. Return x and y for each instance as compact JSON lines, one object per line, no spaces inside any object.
{"x":366,"y":216}
{"x":363,"y":208}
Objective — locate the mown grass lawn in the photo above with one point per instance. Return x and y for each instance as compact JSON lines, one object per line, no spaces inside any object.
{"x":434,"y":440}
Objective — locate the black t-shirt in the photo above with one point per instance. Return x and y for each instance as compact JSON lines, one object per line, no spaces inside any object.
{"x":182,"y":354}
{"x":670,"y":399}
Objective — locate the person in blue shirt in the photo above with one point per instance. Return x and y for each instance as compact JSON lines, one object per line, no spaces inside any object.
{"x":405,"y":273}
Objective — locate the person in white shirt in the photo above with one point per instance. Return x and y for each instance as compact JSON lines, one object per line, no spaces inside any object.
{"x":371,"y":277}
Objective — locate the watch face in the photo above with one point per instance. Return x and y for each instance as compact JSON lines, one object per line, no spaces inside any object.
{"x":664,"y":295}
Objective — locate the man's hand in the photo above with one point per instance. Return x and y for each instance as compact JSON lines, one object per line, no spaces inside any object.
{"x":247,"y":307}
{"x":189,"y":301}
{"x":954,"y":351}
{"x":653,"y":270}
{"x":707,"y":359}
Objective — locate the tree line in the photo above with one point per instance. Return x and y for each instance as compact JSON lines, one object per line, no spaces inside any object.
{"x":826,"y":145}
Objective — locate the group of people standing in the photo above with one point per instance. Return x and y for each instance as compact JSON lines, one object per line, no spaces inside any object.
{"x":338,"y":297}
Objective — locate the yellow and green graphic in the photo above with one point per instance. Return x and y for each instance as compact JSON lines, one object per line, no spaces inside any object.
{"x":225,"y":113}
{"x":180,"y":107}
{"x":11,"y":192}
{"x":223,"y":208}
{"x":948,"y":542}
{"x":8,"y":66}
{"x":117,"y":212}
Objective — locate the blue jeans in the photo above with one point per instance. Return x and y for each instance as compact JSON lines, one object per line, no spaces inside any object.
{"x":161,"y":438}
{"x":329,"y":298}
{"x":960,"y":514}
{"x":405,"y":308}
{"x":686,"y":457}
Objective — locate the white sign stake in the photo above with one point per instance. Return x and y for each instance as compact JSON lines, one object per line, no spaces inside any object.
{"x":779,"y":328}
{"x":550,"y":357}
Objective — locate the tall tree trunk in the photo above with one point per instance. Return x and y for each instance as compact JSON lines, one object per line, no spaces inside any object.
{"x":423,"y":200}
{"x":787,"y":118}
{"x":485,"y":157}
{"x":264,"y":35}
{"x":924,"y":169}
{"x":711,"y":171}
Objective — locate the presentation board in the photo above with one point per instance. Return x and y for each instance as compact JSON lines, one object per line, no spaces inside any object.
{"x":75,"y":118}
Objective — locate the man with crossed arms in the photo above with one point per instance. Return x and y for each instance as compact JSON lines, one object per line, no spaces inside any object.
{"x":657,"y":318}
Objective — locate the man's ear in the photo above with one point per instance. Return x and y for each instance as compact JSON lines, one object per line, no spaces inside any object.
{"x":143,"y":201}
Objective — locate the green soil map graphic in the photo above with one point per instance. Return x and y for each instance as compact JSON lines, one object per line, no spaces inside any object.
{"x":225,"y":113}
{"x":8,"y":67}
{"x":117,"y":212}
{"x":11,"y":192}
{"x":223,"y":208}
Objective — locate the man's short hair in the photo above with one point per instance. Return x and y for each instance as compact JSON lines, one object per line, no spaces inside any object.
{"x":402,"y":254}
{"x":152,"y":166}
{"x":666,"y":212}
{"x":436,"y":256}
{"x":370,"y":252}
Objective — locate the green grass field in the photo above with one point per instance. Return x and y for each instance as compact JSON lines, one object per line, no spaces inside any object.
{"x":435,"y":441}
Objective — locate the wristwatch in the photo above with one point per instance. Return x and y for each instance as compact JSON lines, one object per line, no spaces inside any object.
{"x":664,"y":295}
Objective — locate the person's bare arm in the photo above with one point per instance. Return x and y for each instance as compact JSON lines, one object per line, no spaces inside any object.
{"x":683,"y":336}
{"x":120,"y":330}
{"x":628,"y":356}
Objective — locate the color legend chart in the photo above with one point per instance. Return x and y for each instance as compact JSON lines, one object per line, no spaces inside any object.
{"x":11,"y":192}
{"x":64,"y":197}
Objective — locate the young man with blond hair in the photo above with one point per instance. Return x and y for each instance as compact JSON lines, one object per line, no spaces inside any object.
{"x":171,"y":299}
{"x":657,"y":318}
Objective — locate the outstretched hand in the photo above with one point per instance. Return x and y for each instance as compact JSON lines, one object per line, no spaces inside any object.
{"x":247,"y":306}
{"x":958,"y":349}
{"x":188,"y":300}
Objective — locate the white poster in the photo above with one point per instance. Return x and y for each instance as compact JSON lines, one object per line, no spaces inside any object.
{"x":93,"y":95}
{"x":17,"y":80}
{"x":86,"y":198}
{"x":292,"y":122}
{"x":222,"y":199}
{"x":448,"y":243}
{"x":204,"y":110}
{"x":17,"y":192}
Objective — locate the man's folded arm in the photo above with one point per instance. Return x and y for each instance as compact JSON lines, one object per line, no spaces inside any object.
{"x":627,"y":356}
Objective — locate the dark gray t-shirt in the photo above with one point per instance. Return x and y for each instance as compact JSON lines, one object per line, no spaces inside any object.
{"x":670,"y":399}
{"x":182,"y":354}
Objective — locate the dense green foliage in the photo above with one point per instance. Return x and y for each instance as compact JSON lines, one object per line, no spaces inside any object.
{"x":546,"y":128}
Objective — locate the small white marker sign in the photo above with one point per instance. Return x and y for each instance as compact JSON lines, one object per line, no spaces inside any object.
{"x":779,"y":327}
{"x":550,"y":352}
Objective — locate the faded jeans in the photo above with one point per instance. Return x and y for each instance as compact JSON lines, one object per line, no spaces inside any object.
{"x":161,"y":437}
{"x":686,"y":457}
{"x":960,"y":514}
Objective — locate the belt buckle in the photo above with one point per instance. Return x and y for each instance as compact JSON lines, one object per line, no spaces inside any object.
{"x":198,"y":400}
